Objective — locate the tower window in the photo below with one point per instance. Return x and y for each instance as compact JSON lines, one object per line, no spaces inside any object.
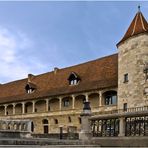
{"x":125,"y":106}
{"x":125,"y":77}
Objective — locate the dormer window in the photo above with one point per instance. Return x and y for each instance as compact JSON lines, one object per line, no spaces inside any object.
{"x":73,"y":79}
{"x":30,"y":88}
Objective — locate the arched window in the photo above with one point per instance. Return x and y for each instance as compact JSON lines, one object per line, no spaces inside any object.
{"x":110,"y":98}
{"x":45,"y":121}
{"x":73,"y":79}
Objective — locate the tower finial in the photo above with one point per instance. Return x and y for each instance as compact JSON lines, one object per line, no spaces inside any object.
{"x":139,"y":7}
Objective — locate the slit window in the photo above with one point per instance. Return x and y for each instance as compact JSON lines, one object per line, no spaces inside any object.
{"x":125,"y":77}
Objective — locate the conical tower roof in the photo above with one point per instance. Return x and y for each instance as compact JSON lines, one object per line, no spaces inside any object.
{"x":137,"y":26}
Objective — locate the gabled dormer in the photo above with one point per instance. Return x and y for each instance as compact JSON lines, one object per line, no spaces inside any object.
{"x":73,"y":79}
{"x":30,"y":87}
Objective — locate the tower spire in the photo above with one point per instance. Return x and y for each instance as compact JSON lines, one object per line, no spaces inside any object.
{"x":138,"y":25}
{"x":139,"y":8}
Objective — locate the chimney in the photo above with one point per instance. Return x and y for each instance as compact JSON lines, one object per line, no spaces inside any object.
{"x":56,"y":70}
{"x":30,"y":77}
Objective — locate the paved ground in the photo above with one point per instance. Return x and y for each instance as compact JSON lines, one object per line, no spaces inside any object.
{"x":49,"y":146}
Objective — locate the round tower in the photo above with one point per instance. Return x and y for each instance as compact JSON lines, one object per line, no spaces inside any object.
{"x":133,"y":65}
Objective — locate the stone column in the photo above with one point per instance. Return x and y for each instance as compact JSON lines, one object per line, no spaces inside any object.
{"x":86,"y":97}
{"x":47,"y":105}
{"x":85,"y":133}
{"x":5,"y":109}
{"x":73,"y":102}
{"x":60,"y":103}
{"x":122,"y":127}
{"x":100,"y":98}
{"x":33,"y":106}
{"x":14,"y":108}
{"x":23,"y":107}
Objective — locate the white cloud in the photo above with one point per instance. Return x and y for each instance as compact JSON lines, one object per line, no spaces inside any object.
{"x":13,"y":61}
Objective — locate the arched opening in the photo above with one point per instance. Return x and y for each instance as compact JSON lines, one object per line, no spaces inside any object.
{"x":15,"y":126}
{"x":28,"y":107}
{"x":69,"y":119}
{"x":2,"y":110}
{"x":9,"y":109}
{"x":94,"y":100}
{"x":4,"y":126}
{"x":45,"y":126}
{"x":54,"y":104}
{"x":18,"y":109}
{"x":79,"y":101}
{"x":32,"y":127}
{"x":110,"y":98}
{"x":66,"y":103}
{"x":79,"y":119}
{"x":40,"y":106}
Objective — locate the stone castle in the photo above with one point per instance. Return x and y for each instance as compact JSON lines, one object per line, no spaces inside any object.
{"x":115,"y":86}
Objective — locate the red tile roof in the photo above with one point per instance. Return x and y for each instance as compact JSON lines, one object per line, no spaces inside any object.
{"x":137,"y":26}
{"x":98,"y":74}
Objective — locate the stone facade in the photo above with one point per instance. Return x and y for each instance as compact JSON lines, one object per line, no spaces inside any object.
{"x":55,"y":111}
{"x":132,"y":58}
{"x":54,"y":101}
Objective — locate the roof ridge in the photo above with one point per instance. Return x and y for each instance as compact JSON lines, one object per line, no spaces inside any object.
{"x":25,"y":79}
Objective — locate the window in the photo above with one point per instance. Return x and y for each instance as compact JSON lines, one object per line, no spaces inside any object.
{"x":29,"y":91}
{"x":56,"y":121}
{"x":32,"y":126}
{"x":66,"y":103}
{"x":45,"y":121}
{"x":110,"y":98}
{"x":125,"y":106}
{"x":30,"y":88}
{"x":84,"y":100}
{"x":69,"y":119}
{"x":73,"y":79}
{"x":80,"y":121}
{"x":125,"y":77}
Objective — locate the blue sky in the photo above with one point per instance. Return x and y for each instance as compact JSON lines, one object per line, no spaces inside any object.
{"x":35,"y":37}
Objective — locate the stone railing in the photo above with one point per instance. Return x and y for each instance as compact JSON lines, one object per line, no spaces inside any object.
{"x":15,"y":125}
{"x":128,"y":110}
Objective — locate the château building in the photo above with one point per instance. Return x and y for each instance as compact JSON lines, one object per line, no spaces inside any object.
{"x":111,"y":84}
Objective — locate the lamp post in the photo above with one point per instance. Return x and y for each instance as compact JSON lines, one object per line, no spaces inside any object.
{"x":85,"y":133}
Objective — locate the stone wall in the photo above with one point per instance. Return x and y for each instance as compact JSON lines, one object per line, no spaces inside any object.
{"x":133,"y":55}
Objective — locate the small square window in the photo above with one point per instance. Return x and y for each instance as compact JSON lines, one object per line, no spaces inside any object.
{"x":125,"y":77}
